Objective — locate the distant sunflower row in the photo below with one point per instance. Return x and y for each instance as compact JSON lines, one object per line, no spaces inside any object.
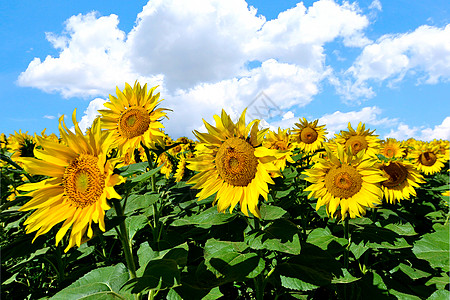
{"x":236,"y":162}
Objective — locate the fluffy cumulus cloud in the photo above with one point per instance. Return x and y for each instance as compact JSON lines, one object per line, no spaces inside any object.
{"x":91,"y":113}
{"x":404,"y":131}
{"x":425,"y":53}
{"x":199,"y":53}
{"x":91,"y":60}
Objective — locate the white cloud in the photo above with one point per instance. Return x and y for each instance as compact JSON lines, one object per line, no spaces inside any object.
{"x":368,"y":115}
{"x":91,"y":59}
{"x":403,"y":132}
{"x":425,"y":52}
{"x":376,"y":4}
{"x":197,"y":53}
{"x":49,"y":117}
{"x":91,"y":113}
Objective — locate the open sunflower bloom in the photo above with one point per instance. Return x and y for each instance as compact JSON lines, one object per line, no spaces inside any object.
{"x":391,"y":148}
{"x":359,"y":139}
{"x":80,"y":180}
{"x":428,"y":158}
{"x":232,"y":163}
{"x":280,"y":141}
{"x":133,"y":118}
{"x":346,"y":180}
{"x":402,"y":180}
{"x":308,"y":136}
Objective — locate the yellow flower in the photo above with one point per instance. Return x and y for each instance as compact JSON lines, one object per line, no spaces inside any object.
{"x":21,"y":144}
{"x":167,"y":165}
{"x":233,"y":164}
{"x":80,"y":180}
{"x":443,"y":147}
{"x":3,"y":141}
{"x":53,"y":137}
{"x":345,"y":180}
{"x":359,"y":139}
{"x":181,"y":168}
{"x":403,"y":179}
{"x":308,"y":136}
{"x":391,"y":148}
{"x":133,"y":117}
{"x":427,"y":158}
{"x":280,"y":141}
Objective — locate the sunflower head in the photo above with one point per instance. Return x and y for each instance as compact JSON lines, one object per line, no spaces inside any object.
{"x":344,"y":180}
{"x":390,"y":148}
{"x":79,"y":181}
{"x":233,"y":164}
{"x":427,"y":158}
{"x":21,"y":144}
{"x":280,"y":141}
{"x":359,"y":139}
{"x":132,"y":117}
{"x":308,"y":136}
{"x":402,"y":179}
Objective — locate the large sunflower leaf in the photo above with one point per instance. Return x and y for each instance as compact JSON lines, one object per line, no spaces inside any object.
{"x":434,"y":247}
{"x":281,"y":235}
{"x":314,"y":267}
{"x":158,"y":274}
{"x":230,"y":261}
{"x":205,"y":219}
{"x":101,"y":283}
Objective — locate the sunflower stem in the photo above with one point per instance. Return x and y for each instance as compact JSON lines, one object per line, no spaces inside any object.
{"x":126,"y":243}
{"x":346,"y":250}
{"x":346,"y":236}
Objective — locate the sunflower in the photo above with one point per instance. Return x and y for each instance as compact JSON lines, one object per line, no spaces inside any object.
{"x":427,"y":158}
{"x":133,"y":117}
{"x":181,"y":168}
{"x":53,"y":137}
{"x":80,"y":180}
{"x":308,"y":136}
{"x":359,"y":139}
{"x":233,"y":164}
{"x":345,"y":180}
{"x":403,"y":179}
{"x":280,"y":141}
{"x":21,"y":144}
{"x":3,"y":141}
{"x":391,"y":148}
{"x":443,"y":147}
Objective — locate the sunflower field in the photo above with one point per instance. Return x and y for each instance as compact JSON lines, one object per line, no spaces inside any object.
{"x":123,"y":211}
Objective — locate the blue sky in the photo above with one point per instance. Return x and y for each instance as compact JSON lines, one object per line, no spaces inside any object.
{"x":384,"y":63}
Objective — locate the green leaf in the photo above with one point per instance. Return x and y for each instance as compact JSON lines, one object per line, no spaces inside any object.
{"x":158,"y":274}
{"x":434,"y":247}
{"x":377,"y":237}
{"x":314,"y":267}
{"x":145,"y":253}
{"x":101,"y":283}
{"x":405,"y":229}
{"x":137,"y":202}
{"x":345,"y":277}
{"x":205,"y":219}
{"x":134,"y":224}
{"x":228,"y":261}
{"x":440,"y":282}
{"x":439,"y":294}
{"x":358,"y":249}
{"x":413,"y":273}
{"x":271,"y":212}
{"x":146,"y":175}
{"x":133,"y":169}
{"x":281,"y":235}
{"x":322,"y":238}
